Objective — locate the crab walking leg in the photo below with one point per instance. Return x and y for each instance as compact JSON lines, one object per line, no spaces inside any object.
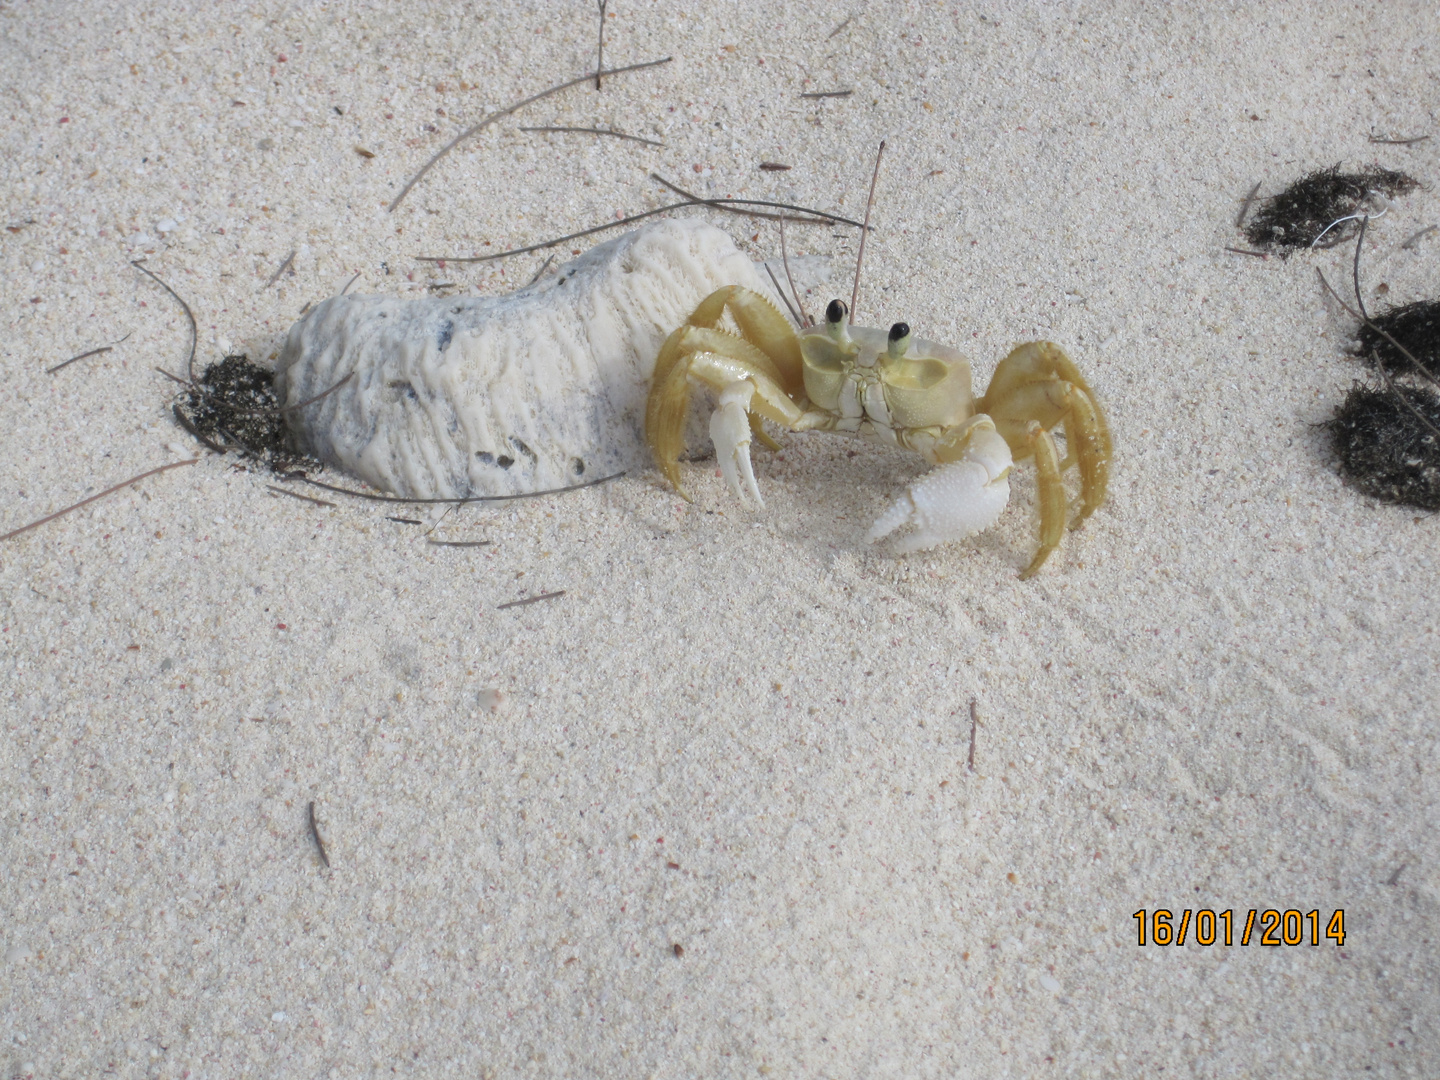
{"x":760,"y":325}
{"x":1090,"y":438}
{"x":1051,"y":495}
{"x":766,"y":345}
{"x":757,"y":429}
{"x":730,"y":431}
{"x":718,"y":360}
{"x":1038,"y":382}
{"x":957,"y":499}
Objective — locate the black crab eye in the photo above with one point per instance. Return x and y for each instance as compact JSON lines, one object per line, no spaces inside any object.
{"x":836,"y":312}
{"x":899,"y":332}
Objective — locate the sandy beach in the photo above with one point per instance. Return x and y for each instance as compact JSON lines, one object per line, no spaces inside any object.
{"x":718,"y":808}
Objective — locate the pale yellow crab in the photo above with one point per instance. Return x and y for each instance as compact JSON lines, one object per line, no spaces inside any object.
{"x":893,"y":389}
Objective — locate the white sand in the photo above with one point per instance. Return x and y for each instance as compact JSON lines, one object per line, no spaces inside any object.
{"x":1217,"y":695}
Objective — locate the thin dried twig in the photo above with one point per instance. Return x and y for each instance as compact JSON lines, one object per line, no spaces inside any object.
{"x":404,"y":521}
{"x":543,"y":267}
{"x":785,"y":299}
{"x":722,"y":204}
{"x":83,"y":355}
{"x":184,"y":422}
{"x":458,"y":543}
{"x":1355,"y":270}
{"x":86,"y":502}
{"x":865,"y":231}
{"x":1245,"y":206}
{"x":974,"y":726}
{"x":840,"y":27}
{"x":302,"y":478}
{"x":283,"y":267}
{"x":548,"y":243}
{"x":594,"y":131}
{"x":297,"y":495}
{"x":716,"y":203}
{"x":1247,"y":251}
{"x":828,"y":93}
{"x":351,"y":282}
{"x":600,"y":52}
{"x":317,"y":397}
{"x":315,"y":835}
{"x":194,"y":330}
{"x":1419,"y":235}
{"x":1399,"y":142}
{"x":774,"y":166}
{"x":785,"y":261}
{"x":531,"y":600}
{"x":487,"y":121}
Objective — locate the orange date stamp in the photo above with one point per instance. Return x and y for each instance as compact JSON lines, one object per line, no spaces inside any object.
{"x":1209,"y":927}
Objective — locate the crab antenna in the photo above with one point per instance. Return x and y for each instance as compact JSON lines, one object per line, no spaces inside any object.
{"x":865,"y":230}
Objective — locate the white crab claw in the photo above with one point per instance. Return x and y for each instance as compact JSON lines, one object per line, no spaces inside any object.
{"x":730,"y":432}
{"x":954,"y":500}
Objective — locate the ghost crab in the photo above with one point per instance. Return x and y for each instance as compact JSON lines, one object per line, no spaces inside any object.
{"x":890,"y":388}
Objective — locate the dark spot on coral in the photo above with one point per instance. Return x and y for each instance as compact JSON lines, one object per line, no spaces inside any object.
{"x":505,"y":461}
{"x":447,"y":333}
{"x":577,"y":466}
{"x":486,"y":458}
{"x":524,"y":450}
{"x":404,"y":387}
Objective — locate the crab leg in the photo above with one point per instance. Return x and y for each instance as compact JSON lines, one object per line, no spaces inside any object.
{"x":730,"y":431}
{"x":1051,"y":495}
{"x":1038,"y":382}
{"x":766,"y":359}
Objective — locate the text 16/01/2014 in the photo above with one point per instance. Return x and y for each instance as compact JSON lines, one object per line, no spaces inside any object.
{"x":1207,"y":927}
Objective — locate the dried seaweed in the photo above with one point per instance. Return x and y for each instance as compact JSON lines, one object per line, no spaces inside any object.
{"x":1416,"y":329}
{"x":1320,"y":204}
{"x":1385,"y":449}
{"x":233,"y":406}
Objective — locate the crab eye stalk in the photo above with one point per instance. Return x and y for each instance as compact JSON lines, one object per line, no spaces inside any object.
{"x":837,"y":319}
{"x":899,"y":340}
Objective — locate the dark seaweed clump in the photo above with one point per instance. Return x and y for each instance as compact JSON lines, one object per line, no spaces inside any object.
{"x":1297,"y":216}
{"x":233,"y":407}
{"x":1385,"y":449}
{"x":1416,"y":327}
